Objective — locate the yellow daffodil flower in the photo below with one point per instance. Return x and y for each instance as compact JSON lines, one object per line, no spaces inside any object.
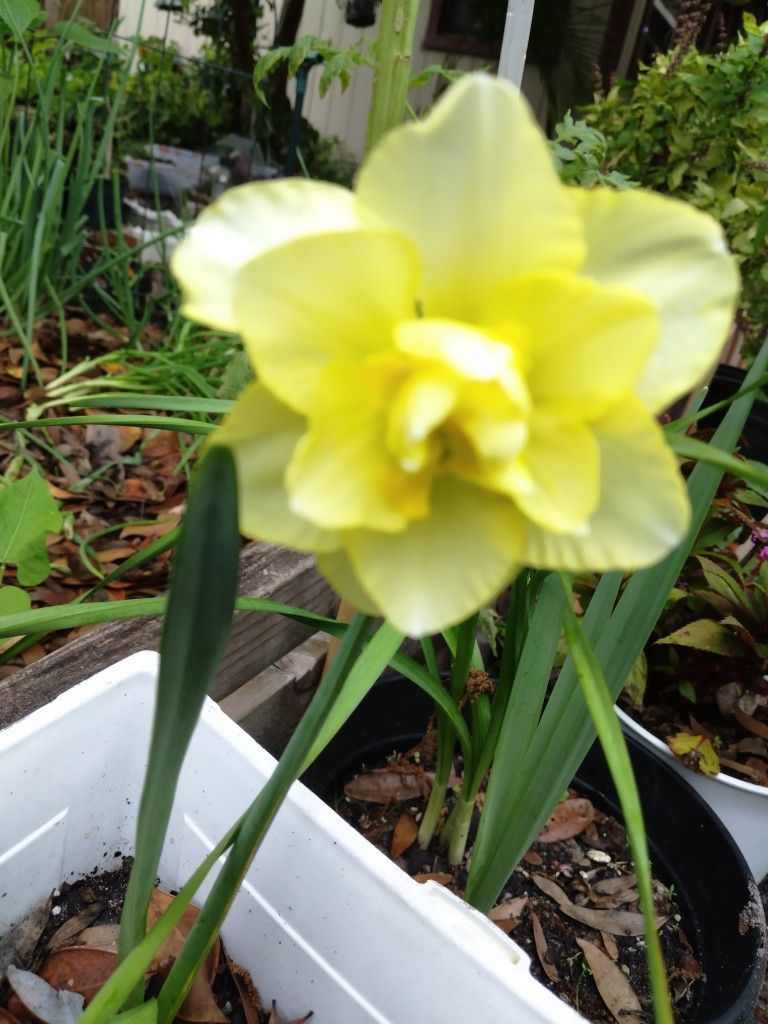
{"x":459,"y":363}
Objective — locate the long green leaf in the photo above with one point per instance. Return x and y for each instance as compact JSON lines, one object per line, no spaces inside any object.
{"x":174,"y":403}
{"x":379,"y":651}
{"x":130,"y":973}
{"x":619,"y":634}
{"x":144,"y":1014}
{"x":257,"y":820}
{"x":196,"y":629}
{"x":158,"y":422}
{"x":516,"y":729}
{"x":691,"y":448}
{"x":434,"y":688}
{"x":71,"y":616}
{"x":600,"y":703}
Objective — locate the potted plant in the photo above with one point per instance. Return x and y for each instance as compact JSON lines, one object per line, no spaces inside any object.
{"x":290,"y":922}
{"x":426,"y":429}
{"x":394,"y":717}
{"x":702,"y":707}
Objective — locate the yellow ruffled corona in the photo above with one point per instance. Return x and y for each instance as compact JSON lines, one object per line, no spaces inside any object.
{"x":459,"y":363}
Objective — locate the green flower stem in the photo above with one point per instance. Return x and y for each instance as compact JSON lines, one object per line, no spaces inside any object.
{"x":443,"y":766}
{"x":397,"y":27}
{"x":432,"y":811}
{"x":256,"y":822}
{"x":461,"y":819}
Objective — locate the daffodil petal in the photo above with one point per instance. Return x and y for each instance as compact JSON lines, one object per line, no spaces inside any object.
{"x":585,"y":344}
{"x":678,"y":257}
{"x":319,"y":299}
{"x":246,"y":222}
{"x":563,"y":463}
{"x":263,"y":433}
{"x":342,"y":474}
{"x":439,"y":570}
{"x":338,"y":570}
{"x":643,"y":512}
{"x":474,"y":186}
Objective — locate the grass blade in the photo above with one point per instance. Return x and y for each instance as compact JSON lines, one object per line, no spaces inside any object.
{"x":159,"y":422}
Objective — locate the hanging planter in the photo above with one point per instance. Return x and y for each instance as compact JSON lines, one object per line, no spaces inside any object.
{"x":323,"y":921}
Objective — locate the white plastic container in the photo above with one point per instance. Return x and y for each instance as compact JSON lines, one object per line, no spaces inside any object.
{"x":741,"y":806}
{"x":324,"y":921}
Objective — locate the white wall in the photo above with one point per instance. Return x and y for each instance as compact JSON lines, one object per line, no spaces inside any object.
{"x":343,"y":114}
{"x":156,"y":23}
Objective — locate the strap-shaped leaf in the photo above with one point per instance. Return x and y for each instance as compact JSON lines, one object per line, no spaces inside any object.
{"x":196,"y":629}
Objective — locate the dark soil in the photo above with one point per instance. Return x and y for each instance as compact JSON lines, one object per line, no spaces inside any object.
{"x":108,"y":890}
{"x":577,"y":865}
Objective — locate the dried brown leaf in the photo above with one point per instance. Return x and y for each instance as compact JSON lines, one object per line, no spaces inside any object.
{"x":384,"y":786}
{"x":542,"y":949}
{"x":613,"y":985}
{"x":441,"y":877}
{"x":611,"y":946}
{"x":274,"y":1016}
{"x":533,"y":858}
{"x":18,"y":945}
{"x":507,"y":914}
{"x":199,"y":1006}
{"x":6,"y":1017}
{"x":80,"y":969}
{"x":613,"y":886}
{"x":71,"y":928}
{"x":753,"y":725}
{"x":249,"y":994}
{"x":568,"y":819}
{"x":404,"y":835}
{"x":103,"y":936}
{"x":617,"y":922}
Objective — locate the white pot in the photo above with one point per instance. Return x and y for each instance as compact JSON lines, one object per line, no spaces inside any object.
{"x":323,"y":922}
{"x":741,"y":806}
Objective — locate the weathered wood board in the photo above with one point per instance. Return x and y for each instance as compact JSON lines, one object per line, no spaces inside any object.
{"x":257,"y":640}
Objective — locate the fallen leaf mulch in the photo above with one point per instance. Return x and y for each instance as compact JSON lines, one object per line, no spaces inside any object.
{"x":572,"y":904}
{"x":730,"y":710}
{"x":119,"y":488}
{"x":69,"y":942}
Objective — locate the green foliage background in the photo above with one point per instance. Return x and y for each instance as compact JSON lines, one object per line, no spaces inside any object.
{"x":695,"y":126}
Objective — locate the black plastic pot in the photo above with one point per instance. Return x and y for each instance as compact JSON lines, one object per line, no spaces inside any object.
{"x":726,"y":381}
{"x":690,"y":848}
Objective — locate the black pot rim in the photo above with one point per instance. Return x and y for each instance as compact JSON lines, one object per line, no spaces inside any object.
{"x":729,"y":991}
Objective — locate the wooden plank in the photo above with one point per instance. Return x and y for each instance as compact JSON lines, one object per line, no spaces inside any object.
{"x":270,"y":705}
{"x":257,"y":640}
{"x":100,"y":12}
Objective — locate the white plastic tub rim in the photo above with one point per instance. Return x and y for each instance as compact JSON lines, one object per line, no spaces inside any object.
{"x":324,"y":921}
{"x":741,"y":806}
